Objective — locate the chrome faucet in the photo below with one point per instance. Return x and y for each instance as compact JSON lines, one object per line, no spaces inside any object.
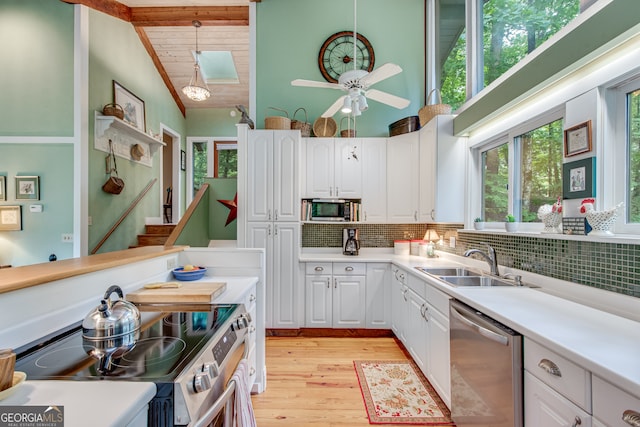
{"x":491,"y":258}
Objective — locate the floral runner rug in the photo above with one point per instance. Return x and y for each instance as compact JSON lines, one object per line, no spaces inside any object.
{"x":396,"y":392}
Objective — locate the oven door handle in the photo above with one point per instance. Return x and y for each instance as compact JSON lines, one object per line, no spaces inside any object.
{"x":225,"y":399}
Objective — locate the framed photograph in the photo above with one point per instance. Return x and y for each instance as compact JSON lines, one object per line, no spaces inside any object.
{"x":27,"y":188}
{"x":10,"y":218}
{"x":133,"y":106}
{"x":3,"y":189}
{"x":579,"y":179}
{"x":183,"y":160}
{"x":577,"y":139}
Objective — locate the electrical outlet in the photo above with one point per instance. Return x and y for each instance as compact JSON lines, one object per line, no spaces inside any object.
{"x":171,"y":264}
{"x":89,"y":220}
{"x":67,"y":238}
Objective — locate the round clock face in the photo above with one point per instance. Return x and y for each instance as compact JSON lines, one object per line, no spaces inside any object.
{"x":336,"y":55}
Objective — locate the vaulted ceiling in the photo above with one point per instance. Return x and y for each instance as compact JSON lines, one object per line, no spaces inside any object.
{"x":166,"y":30}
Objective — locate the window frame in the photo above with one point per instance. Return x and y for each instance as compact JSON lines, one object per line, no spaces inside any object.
{"x":509,"y":137}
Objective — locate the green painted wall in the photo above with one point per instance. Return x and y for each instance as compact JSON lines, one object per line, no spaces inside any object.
{"x":289,"y":35}
{"x":207,"y":122}
{"x":196,"y":231}
{"x":221,"y":189}
{"x":121,"y":57}
{"x":36,"y":76}
{"x":41,"y":233}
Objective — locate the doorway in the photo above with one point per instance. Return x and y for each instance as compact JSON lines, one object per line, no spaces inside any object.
{"x":170,"y":177}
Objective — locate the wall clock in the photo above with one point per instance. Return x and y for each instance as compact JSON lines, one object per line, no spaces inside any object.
{"x":336,"y":55}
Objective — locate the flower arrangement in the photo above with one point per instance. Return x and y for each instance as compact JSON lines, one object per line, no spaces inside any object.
{"x":509,"y":218}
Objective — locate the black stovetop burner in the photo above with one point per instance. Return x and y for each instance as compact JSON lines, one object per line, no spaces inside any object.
{"x":166,"y":345}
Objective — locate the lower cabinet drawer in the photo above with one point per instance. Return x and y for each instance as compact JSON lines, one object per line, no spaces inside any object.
{"x":614,"y":407}
{"x":349,"y":268}
{"x":544,"y":407}
{"x":559,"y":373}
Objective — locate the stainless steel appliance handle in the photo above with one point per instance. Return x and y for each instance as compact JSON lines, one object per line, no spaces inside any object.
{"x":499,"y":338}
{"x":631,"y":417}
{"x":224,"y":400}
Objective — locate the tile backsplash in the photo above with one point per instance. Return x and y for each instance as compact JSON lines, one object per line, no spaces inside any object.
{"x":613,"y":267}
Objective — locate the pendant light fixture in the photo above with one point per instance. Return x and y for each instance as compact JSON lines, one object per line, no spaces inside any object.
{"x":197,"y":89}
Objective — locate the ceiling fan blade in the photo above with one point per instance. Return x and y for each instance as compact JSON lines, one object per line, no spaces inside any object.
{"x":334,"y":107}
{"x":313,"y":83}
{"x":387,"y":98}
{"x":383,"y":72}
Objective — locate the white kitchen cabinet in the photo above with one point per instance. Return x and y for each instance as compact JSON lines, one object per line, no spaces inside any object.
{"x":442,"y":172}
{"x":333,"y":168}
{"x":399,"y":316}
{"x":438,"y":361}
{"x":374,"y":180}
{"x":544,"y":407}
{"x":335,"y":295}
{"x":612,"y":406}
{"x":272,"y":190}
{"x":378,"y":294}
{"x":403,"y":174}
{"x":283,"y":297}
{"x":417,"y":331}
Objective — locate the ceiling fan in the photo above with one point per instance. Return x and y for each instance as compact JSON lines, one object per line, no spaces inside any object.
{"x":357,"y":83}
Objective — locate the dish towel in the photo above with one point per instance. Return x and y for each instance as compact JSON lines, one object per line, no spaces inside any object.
{"x":242,"y":407}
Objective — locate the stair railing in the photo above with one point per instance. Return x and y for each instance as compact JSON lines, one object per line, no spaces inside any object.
{"x":133,"y":204}
{"x":171,"y":240}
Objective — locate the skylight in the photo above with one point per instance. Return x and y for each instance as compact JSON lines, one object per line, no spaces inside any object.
{"x":218,"y":68}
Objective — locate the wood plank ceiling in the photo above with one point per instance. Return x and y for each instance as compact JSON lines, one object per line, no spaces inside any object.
{"x":167,"y":33}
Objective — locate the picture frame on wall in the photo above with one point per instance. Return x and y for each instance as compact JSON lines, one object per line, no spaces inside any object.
{"x":10,"y":218}
{"x":183,"y":160}
{"x":27,"y":187}
{"x":134,"y":112}
{"x":577,"y":139}
{"x":579,"y":179}
{"x":3,"y":189}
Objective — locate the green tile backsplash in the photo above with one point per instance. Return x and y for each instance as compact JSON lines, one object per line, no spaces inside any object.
{"x":610,"y":266}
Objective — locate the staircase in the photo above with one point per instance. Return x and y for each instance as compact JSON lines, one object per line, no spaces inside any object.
{"x":155,"y":234}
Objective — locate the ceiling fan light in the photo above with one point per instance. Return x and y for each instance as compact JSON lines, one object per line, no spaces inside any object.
{"x":346,"y":106}
{"x":357,"y":112}
{"x":362,"y":103}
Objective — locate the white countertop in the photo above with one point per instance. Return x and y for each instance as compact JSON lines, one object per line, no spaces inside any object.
{"x":94,"y":403}
{"x":608,"y":345}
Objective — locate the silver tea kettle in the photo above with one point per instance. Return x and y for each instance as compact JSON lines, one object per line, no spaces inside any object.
{"x":111,"y":319}
{"x":111,"y":329}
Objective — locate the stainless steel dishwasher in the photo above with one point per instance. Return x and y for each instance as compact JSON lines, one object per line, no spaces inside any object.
{"x":486,"y":370}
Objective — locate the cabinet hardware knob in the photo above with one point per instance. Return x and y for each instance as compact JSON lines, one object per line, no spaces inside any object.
{"x":318,"y":269}
{"x":415,"y":215}
{"x":269,"y":214}
{"x":631,"y":417}
{"x":252,"y":298}
{"x":404,"y":294}
{"x":335,"y":283}
{"x":349,"y":268}
{"x":328,"y":283}
{"x":550,"y":367}
{"x":576,"y":422}
{"x":252,"y":371}
{"x":433,"y":214}
{"x":276,"y":215}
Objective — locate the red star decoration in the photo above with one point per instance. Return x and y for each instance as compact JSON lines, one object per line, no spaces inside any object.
{"x":233,"y":208}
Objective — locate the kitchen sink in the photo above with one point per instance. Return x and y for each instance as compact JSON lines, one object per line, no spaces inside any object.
{"x":479,"y":281}
{"x":449,"y":271}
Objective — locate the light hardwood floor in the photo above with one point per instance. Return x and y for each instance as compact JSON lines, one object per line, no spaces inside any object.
{"x":312,"y":382}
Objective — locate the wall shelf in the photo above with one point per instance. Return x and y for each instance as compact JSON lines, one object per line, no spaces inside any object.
{"x":123,"y":136}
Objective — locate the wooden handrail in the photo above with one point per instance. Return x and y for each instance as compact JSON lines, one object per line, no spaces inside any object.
{"x":171,"y":240}
{"x":133,"y":204}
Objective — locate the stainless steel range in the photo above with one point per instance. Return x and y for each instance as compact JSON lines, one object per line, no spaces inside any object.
{"x":189,"y":351}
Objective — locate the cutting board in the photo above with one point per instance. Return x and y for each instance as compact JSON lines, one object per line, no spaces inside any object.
{"x":194,"y":293}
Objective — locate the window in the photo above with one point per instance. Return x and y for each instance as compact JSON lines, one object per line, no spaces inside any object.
{"x":507,"y":30}
{"x":522,"y":170}
{"x":495,"y":183}
{"x":225,"y":159}
{"x":633,"y":155}
{"x":540,"y":152}
{"x":199,"y":164}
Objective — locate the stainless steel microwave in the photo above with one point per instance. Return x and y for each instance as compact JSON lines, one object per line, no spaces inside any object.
{"x":330,"y":210}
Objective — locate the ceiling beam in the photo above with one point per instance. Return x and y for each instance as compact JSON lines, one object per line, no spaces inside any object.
{"x":163,"y":73}
{"x":110,"y":7}
{"x":185,"y":15}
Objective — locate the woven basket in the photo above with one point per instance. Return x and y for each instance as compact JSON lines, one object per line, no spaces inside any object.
{"x":303,"y":127}
{"x":324,"y":127}
{"x":429,"y":111}
{"x":277,"y":122}
{"x":113,"y":110}
{"x":348,"y":133}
